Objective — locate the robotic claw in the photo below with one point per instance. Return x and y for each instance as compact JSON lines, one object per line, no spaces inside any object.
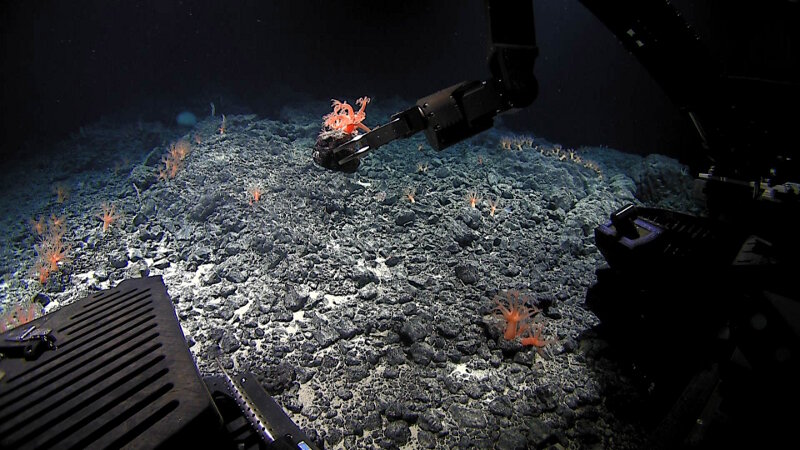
{"x":465,"y":109}
{"x":742,"y":136}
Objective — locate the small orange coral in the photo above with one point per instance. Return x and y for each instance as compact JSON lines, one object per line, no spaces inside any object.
{"x":519,"y":320}
{"x":255,"y":193}
{"x":38,"y":226}
{"x":51,"y":252}
{"x":493,"y":206}
{"x":108,"y":216}
{"x":534,"y":337}
{"x":473,"y":199}
{"x":62,"y":192}
{"x":512,"y":306}
{"x":173,"y":161}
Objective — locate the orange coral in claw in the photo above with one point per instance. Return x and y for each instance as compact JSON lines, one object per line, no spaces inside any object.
{"x":344,"y":118}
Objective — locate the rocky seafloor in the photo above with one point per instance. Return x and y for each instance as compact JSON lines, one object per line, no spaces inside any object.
{"x":369,"y":317}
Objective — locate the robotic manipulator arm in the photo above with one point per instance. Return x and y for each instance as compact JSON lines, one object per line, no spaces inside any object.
{"x":468,"y":108}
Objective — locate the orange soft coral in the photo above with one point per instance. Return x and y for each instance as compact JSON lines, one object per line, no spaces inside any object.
{"x":173,"y":160}
{"x":344,"y":119}
{"x":512,"y":306}
{"x":108,"y":216}
{"x":533,"y":336}
{"x":51,"y":253}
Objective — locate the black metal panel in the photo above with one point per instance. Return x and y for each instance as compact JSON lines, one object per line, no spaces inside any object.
{"x":121,"y":376}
